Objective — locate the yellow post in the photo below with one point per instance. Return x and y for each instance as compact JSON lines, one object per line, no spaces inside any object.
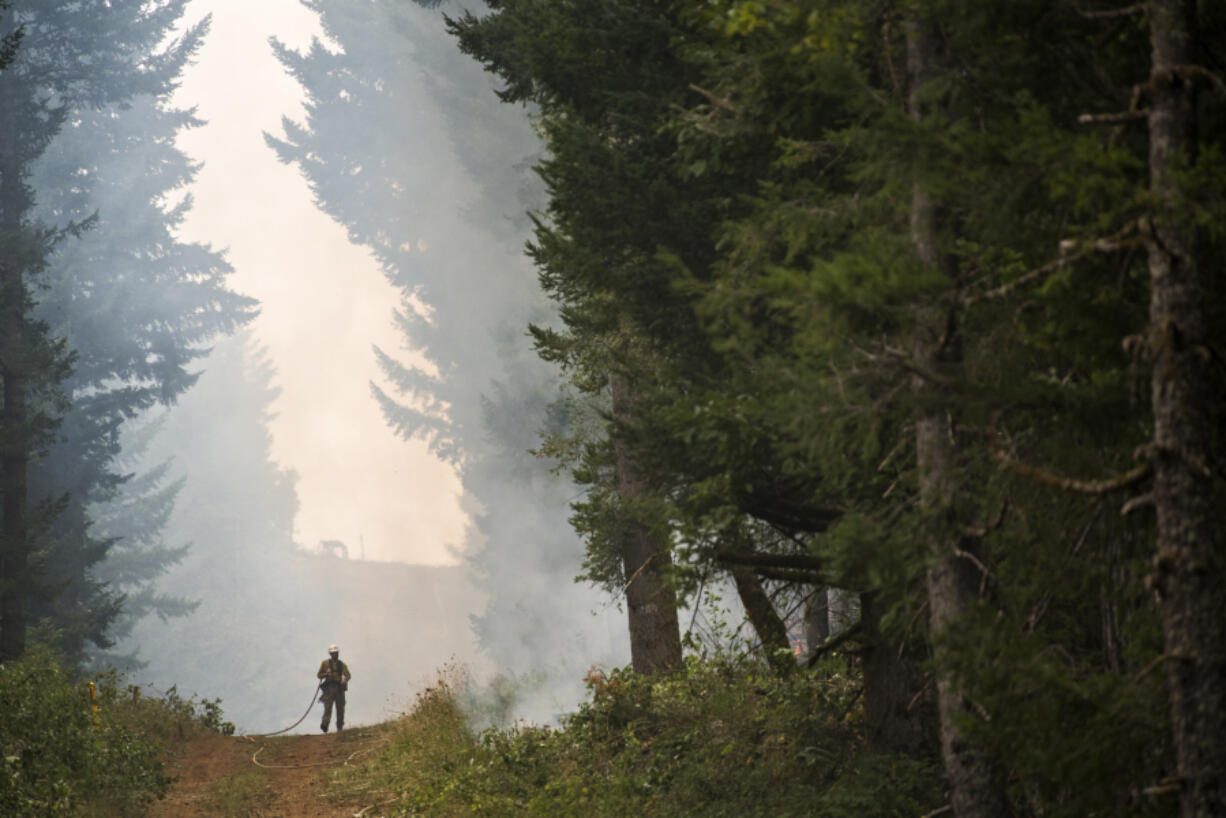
{"x":93,"y":703}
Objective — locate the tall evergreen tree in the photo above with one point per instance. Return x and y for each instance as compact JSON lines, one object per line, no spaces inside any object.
{"x":435,"y":181}
{"x":137,"y":305}
{"x":1185,"y":395}
{"x":916,"y":307}
{"x":142,"y":306}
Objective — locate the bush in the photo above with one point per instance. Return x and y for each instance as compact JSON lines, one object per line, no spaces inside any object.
{"x":720,"y":737}
{"x":58,"y":756}
{"x":63,"y":757}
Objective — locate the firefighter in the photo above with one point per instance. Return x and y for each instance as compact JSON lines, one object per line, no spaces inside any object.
{"x":334,"y":676}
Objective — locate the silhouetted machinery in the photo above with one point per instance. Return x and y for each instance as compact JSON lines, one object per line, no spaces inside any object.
{"x":334,"y":548}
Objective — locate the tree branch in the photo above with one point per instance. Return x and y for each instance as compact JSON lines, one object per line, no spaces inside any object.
{"x":801,"y":562}
{"x":1135,"y":8}
{"x":794,"y":576}
{"x":1070,"y":250}
{"x":1118,"y":118}
{"x":1115,"y":483}
{"x":832,"y":644}
{"x":1187,"y":71}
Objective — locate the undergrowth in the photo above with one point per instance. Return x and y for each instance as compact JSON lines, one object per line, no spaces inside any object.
{"x":241,"y":795}
{"x":722,"y":737}
{"x":62,"y":757}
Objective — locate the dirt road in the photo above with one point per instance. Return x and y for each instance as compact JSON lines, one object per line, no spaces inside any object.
{"x":281,"y":777}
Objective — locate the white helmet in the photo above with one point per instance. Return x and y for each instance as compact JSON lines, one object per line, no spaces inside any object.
{"x":333,"y":649}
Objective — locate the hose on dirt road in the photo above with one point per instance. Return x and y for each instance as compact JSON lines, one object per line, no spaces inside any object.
{"x":314,"y":696}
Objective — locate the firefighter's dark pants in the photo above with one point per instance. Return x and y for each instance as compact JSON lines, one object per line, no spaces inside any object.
{"x":333,"y":693}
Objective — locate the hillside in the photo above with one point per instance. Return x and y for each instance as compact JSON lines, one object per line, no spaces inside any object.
{"x":239,"y":775}
{"x":263,"y":625}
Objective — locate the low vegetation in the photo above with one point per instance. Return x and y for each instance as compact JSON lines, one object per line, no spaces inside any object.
{"x":67,"y":754}
{"x":720,"y":737}
{"x":241,"y":795}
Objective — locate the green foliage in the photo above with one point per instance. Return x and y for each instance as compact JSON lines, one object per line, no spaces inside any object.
{"x":66,"y":755}
{"x":722,"y":736}
{"x":789,"y":326}
{"x":59,"y":759}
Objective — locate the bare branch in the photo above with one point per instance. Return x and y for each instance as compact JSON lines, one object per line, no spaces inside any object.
{"x":1070,"y":250}
{"x":1114,"y":119}
{"x":1164,"y":787}
{"x":1135,"y":8}
{"x":801,"y":562}
{"x":1187,"y":71}
{"x":1132,"y":505}
{"x":793,"y":575}
{"x":985,"y":574}
{"x":1134,"y":475}
{"x":902,"y":441}
{"x":636,"y":573}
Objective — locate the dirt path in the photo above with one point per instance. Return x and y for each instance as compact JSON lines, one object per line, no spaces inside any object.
{"x":281,"y":777}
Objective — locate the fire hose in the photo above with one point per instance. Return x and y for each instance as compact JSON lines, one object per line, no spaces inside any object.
{"x":314,"y":696}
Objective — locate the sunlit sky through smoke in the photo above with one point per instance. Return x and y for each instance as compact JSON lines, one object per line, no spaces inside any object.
{"x":324,"y":301}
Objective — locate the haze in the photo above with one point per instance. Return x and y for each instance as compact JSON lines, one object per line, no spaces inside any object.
{"x":324,"y":301}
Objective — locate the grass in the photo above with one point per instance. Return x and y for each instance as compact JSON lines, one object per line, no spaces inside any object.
{"x":241,"y":795}
{"x":720,"y":738}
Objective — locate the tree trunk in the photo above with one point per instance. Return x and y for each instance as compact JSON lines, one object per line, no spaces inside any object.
{"x":1188,"y":571}
{"x":901,"y":718}
{"x":765,"y":620}
{"x":651,"y":602}
{"x":14,"y":437}
{"x":817,"y":618}
{"x":976,"y":790}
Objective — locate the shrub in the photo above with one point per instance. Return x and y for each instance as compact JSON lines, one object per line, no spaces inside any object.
{"x":58,"y":756}
{"x":62,"y":757}
{"x":723,"y":736}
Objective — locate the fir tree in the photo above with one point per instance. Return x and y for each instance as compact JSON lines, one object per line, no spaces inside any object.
{"x":135,"y":304}
{"x":436,"y":158}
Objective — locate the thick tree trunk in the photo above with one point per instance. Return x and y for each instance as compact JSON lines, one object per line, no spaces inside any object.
{"x":765,"y":620}
{"x":901,"y":718}
{"x":1188,"y":566}
{"x":651,"y":602}
{"x":976,"y":790}
{"x":14,"y":438}
{"x":817,"y":618}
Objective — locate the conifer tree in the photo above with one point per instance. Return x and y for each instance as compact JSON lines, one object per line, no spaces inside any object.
{"x":435,"y":181}
{"x":1189,"y":565}
{"x":136,"y":305}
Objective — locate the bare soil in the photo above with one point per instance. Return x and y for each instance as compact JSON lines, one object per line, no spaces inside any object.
{"x":278,"y":777}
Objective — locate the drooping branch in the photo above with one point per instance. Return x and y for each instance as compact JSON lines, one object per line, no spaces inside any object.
{"x":1191,"y":71}
{"x":1119,"y":481}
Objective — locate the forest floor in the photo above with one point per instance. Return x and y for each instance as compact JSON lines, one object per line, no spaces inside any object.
{"x":278,"y":777}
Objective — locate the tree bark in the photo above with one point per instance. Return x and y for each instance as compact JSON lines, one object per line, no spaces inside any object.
{"x":771,"y":630}
{"x":901,"y":718}
{"x":14,"y":437}
{"x":651,"y":602}
{"x":817,"y":618}
{"x":976,"y":789}
{"x":1188,"y":566}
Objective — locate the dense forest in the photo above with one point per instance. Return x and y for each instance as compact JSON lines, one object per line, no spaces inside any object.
{"x":900,"y":320}
{"x":917,"y":300}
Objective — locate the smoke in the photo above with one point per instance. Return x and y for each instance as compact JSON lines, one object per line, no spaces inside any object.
{"x":405,"y":146}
